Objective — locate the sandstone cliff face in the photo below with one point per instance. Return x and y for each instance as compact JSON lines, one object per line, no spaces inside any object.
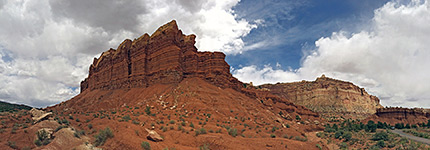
{"x":329,"y":97}
{"x":167,"y":56}
{"x":395,"y":115}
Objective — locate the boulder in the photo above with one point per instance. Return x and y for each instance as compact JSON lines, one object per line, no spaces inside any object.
{"x":153,"y":136}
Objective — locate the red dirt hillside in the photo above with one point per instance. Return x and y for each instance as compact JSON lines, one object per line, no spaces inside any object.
{"x":190,"y":98}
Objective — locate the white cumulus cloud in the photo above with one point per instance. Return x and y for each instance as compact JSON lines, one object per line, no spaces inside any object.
{"x":390,"y":58}
{"x":46,"y":46}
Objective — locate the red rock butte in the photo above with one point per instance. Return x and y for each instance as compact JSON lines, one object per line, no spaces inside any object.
{"x":167,"y":56}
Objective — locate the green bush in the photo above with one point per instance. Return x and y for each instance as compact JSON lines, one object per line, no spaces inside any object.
{"x":347,"y":136}
{"x":272,"y":135}
{"x":380,"y":136}
{"x":338,"y":134}
{"x":12,"y":144}
{"x":371,"y":126}
{"x":135,"y":122}
{"x":90,"y":126}
{"x":232,"y":132}
{"x":343,"y":145}
{"x":203,"y":131}
{"x":145,"y":145}
{"x":298,"y":117}
{"x":380,"y":144}
{"x":126,"y":118}
{"x":298,"y":138}
{"x":42,"y":138}
{"x":148,"y":110}
{"x":204,"y":147}
{"x":102,"y":136}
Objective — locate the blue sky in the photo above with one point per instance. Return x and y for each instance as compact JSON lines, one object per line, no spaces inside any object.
{"x":292,"y":27}
{"x":46,"y":46}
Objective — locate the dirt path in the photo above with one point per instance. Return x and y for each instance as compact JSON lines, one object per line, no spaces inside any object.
{"x":415,"y":138}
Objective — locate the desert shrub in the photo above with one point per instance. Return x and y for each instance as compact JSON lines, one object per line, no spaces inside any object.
{"x":145,"y":145}
{"x":90,"y":126}
{"x":232,"y":132}
{"x":298,"y":117}
{"x":338,"y":134}
{"x":204,"y":147}
{"x":79,"y":133}
{"x":370,"y":126}
{"x":272,"y":135}
{"x":380,"y":144}
{"x":126,"y":118}
{"x":299,"y":138}
{"x":343,"y":145}
{"x":12,"y":144}
{"x":347,"y":136}
{"x":135,"y":122}
{"x":76,"y":135}
{"x":102,"y":136}
{"x":191,"y":125}
{"x":319,"y":146}
{"x":399,"y":125}
{"x":13,"y":131}
{"x":329,"y":129}
{"x":42,"y":138}
{"x":65,"y":121}
{"x":203,"y":131}
{"x":274,"y":129}
{"x":172,"y":121}
{"x":408,"y":126}
{"x":380,"y":136}
{"x":148,"y":110}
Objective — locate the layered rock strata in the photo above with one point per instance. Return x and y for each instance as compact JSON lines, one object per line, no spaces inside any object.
{"x":329,"y":97}
{"x":393,"y":115}
{"x":167,"y":56}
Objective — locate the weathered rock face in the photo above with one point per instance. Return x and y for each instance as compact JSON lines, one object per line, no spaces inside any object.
{"x":395,"y":115}
{"x":38,"y":115}
{"x":329,"y":97}
{"x":167,"y":56}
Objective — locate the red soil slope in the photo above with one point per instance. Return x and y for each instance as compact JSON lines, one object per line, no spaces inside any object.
{"x":181,"y":86}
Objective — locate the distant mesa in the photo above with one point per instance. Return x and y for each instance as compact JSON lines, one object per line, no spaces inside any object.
{"x":167,"y":56}
{"x":393,"y":115}
{"x":329,"y":97}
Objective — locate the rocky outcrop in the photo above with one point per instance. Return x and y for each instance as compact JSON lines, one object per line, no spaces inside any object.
{"x":393,"y":115}
{"x":167,"y":56}
{"x":39,"y":115}
{"x":329,"y":97}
